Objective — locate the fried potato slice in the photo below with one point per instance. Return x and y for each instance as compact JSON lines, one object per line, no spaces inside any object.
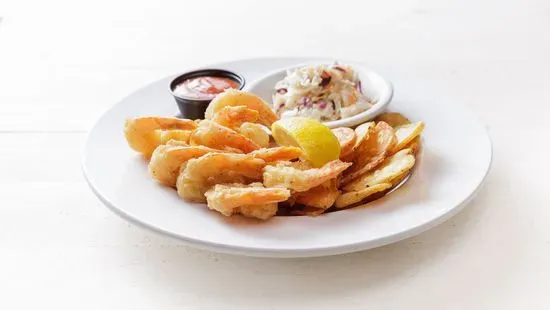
{"x":397,"y":181}
{"x":393,"y":119}
{"x":346,"y":137}
{"x":406,"y":133}
{"x":320,"y":197}
{"x":362,"y":133}
{"x":392,"y":168}
{"x":414,"y":145}
{"x":354,"y":197}
{"x":372,"y":152}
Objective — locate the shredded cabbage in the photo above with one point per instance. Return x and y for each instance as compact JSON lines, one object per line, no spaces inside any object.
{"x":323,"y":92}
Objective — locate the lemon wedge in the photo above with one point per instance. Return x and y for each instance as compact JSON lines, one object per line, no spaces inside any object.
{"x":317,"y":142}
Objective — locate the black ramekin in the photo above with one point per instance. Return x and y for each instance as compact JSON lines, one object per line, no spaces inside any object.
{"x":195,"y":108}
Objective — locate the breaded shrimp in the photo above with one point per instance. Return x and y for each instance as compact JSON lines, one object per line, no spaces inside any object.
{"x":256,"y":133}
{"x":252,"y":200}
{"x":302,"y":180}
{"x":320,"y":197}
{"x":234,"y":97}
{"x":234,"y":117}
{"x":144,"y":133}
{"x":167,"y":159}
{"x":300,"y":165}
{"x":216,"y":136}
{"x":199,"y":174}
{"x":277,"y":153}
{"x":176,"y":143}
{"x":260,"y":211}
{"x":175,"y":135}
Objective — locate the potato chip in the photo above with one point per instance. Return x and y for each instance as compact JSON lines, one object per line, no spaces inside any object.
{"x":397,"y":181}
{"x":362,"y":133}
{"x":372,"y":151}
{"x":414,"y":145}
{"x":406,"y":133}
{"x":354,"y":197}
{"x":320,"y":197}
{"x":391,"y":169}
{"x":346,"y":137}
{"x":393,"y":119}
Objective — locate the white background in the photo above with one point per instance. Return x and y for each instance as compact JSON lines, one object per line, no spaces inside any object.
{"x":62,"y":63}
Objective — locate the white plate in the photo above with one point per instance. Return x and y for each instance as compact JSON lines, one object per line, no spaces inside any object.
{"x":374,"y":86}
{"x":455,"y":159}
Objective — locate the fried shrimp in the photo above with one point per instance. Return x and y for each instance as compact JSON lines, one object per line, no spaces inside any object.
{"x":144,"y":133}
{"x":216,"y":136}
{"x":300,"y":165}
{"x":167,"y":159}
{"x":256,"y":133}
{"x":175,"y":135}
{"x":274,"y":154}
{"x":176,"y":143}
{"x":302,"y":180}
{"x":320,"y":197}
{"x":252,"y":200}
{"x":234,"y":117}
{"x":234,"y":97}
{"x":199,"y":174}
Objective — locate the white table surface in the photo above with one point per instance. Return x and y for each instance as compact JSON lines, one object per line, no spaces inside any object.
{"x":62,"y":63}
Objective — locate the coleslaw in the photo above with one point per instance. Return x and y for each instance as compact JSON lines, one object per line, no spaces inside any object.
{"x":322,"y":92}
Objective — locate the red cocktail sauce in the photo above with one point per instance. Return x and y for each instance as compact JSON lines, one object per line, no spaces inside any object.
{"x":204,"y":87}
